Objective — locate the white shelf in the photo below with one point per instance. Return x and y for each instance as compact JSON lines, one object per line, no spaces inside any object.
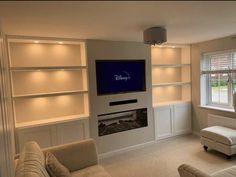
{"x":169,"y":65}
{"x":171,"y":84}
{"x":170,"y":103}
{"x":48,"y":68}
{"x":51,"y":94}
{"x":50,"y":121}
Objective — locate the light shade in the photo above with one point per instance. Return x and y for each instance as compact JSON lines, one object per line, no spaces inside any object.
{"x":154,"y":35}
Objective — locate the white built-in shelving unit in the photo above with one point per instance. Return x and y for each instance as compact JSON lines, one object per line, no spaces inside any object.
{"x":171,"y":76}
{"x":171,"y":89}
{"x":49,"y":81}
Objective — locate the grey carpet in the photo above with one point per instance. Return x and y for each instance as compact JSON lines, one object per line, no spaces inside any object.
{"x":162,"y":159}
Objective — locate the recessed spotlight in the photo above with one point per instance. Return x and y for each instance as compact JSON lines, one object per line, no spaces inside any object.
{"x":60,"y":42}
{"x":36,"y":42}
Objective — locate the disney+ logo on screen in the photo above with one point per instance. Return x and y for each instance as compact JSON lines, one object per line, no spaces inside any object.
{"x":123,"y":76}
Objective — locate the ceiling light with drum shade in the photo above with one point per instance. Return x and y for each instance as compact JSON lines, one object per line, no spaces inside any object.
{"x":155,"y":36}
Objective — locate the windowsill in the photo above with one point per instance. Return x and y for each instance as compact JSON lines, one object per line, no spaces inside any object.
{"x":217,"y":108}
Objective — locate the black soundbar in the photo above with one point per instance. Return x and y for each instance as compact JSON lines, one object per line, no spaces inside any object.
{"x":115,"y":103}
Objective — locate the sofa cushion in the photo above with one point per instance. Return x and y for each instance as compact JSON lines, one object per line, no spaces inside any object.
{"x":228,"y":172}
{"x":189,"y":171}
{"x":76,"y":155}
{"x":220,"y":134}
{"x":31,"y":162}
{"x":54,"y":167}
{"x":93,"y":171}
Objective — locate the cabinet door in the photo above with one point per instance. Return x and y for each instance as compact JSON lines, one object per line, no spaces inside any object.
{"x":163,"y":122}
{"x":44,"y":136}
{"x":182,"y":118}
{"x":72,"y":131}
{"x":51,"y":135}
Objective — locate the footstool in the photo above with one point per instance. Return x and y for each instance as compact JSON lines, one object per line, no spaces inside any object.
{"x":219,"y":138}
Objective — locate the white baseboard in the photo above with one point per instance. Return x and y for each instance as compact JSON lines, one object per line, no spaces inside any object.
{"x":173,"y":136}
{"x":196,"y":133}
{"x":126,"y":149}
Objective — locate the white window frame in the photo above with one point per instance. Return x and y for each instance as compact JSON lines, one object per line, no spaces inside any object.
{"x":207,"y":84}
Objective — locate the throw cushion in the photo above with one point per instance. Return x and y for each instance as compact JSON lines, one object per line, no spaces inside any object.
{"x":92,"y":171}
{"x":189,"y":171}
{"x":31,"y":162}
{"x":54,"y":167}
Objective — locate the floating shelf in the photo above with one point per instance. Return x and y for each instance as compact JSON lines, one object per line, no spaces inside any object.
{"x":48,"y":68}
{"x":50,"y":94}
{"x":170,"y":103}
{"x":50,"y":121}
{"x":171,"y":84}
{"x":169,"y":65}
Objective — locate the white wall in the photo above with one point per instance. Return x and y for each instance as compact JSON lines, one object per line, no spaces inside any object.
{"x":199,"y":114}
{"x":6,"y":118}
{"x":98,"y":49}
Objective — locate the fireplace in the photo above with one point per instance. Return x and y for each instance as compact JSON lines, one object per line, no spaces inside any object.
{"x":122,"y":121}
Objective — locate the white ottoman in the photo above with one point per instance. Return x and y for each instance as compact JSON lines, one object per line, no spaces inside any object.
{"x":222,"y":139}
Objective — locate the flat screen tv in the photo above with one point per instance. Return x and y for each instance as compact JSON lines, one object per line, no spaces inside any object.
{"x":120,"y":76}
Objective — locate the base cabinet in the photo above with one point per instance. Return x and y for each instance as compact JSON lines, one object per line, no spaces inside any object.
{"x":172,"y":120}
{"x":55,"y":134}
{"x":163,"y":122}
{"x":182,"y":118}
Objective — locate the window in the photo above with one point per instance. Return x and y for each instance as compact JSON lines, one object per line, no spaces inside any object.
{"x":218,"y":72}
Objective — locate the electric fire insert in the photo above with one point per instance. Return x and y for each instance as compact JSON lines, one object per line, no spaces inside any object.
{"x":122,"y":121}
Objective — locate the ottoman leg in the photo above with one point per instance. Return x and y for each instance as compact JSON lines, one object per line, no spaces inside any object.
{"x":205,"y":148}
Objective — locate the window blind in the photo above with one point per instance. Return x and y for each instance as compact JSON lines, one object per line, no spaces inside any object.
{"x":224,"y":62}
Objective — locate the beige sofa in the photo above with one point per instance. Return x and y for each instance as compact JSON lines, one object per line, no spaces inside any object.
{"x":189,"y":171}
{"x":79,"y":157}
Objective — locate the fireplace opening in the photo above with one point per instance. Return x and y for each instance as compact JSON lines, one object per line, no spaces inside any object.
{"x":122,"y":121}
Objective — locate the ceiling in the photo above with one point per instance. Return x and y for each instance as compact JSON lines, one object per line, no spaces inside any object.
{"x":186,"y":22}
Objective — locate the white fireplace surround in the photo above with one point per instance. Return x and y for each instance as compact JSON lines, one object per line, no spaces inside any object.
{"x":97,"y":49}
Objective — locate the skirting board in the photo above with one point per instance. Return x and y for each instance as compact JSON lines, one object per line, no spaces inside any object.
{"x":126,"y":149}
{"x":173,"y":137}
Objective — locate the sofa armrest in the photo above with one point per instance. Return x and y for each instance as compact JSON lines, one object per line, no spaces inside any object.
{"x":189,"y":171}
{"x":77,"y":155}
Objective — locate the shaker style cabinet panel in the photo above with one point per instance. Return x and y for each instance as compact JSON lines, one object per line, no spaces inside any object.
{"x":172,"y":120}
{"x":52,"y":135}
{"x":163,"y":121}
{"x":44,"y":136}
{"x":182,"y":118}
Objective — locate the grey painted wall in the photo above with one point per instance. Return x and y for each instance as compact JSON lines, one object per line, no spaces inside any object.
{"x":200,"y":114}
{"x":98,"y":49}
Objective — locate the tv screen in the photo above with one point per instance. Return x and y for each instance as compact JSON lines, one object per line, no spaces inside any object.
{"x":120,"y":76}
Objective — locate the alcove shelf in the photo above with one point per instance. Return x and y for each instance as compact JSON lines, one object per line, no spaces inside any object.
{"x":48,"y":68}
{"x":171,"y":74}
{"x":50,"y":121}
{"x":171,"y":84}
{"x":49,"y":80}
{"x":167,"y":103}
{"x":50,"y":94}
{"x":170,"y":65}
